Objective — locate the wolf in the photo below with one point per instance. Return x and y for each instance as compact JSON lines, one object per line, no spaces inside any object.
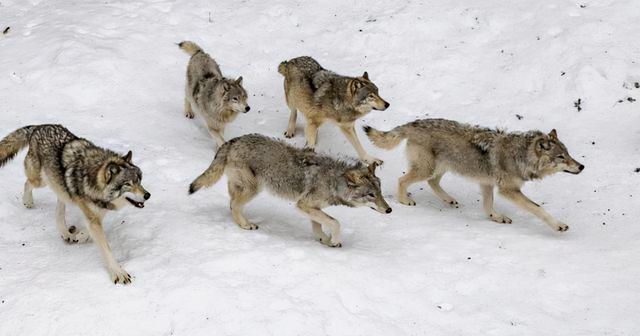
{"x":493,"y":158}
{"x":322,"y":95}
{"x":313,"y":181}
{"x":216,"y":99}
{"x":80,"y":173}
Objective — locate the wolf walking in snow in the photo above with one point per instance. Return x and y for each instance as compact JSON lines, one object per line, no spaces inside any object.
{"x":313,"y":181}
{"x":322,"y":95}
{"x":490,"y":157}
{"x":93,"y":178}
{"x":216,"y":99}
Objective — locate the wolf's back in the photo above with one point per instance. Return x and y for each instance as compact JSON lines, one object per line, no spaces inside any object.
{"x":14,"y":142}
{"x":304,"y":65}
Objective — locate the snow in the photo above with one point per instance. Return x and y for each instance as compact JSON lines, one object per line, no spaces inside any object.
{"x":110,"y":71}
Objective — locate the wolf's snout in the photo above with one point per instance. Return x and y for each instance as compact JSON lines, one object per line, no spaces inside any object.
{"x":388,"y":210}
{"x":246,"y":109}
{"x":386,"y":105}
{"x":581,"y":168}
{"x":147,"y":196}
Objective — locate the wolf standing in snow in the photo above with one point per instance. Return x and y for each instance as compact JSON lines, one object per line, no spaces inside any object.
{"x":216,"y":99}
{"x":323,"y":95}
{"x":491,"y":157}
{"x":93,"y":178}
{"x":313,"y":181}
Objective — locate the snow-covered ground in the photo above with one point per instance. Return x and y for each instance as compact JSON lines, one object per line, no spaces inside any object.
{"x":111,"y":72}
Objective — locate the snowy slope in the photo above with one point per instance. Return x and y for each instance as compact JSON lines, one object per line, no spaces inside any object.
{"x":110,"y":71}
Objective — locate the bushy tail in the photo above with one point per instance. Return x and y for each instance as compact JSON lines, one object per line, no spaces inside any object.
{"x":189,"y":47}
{"x":282,"y":68}
{"x":13,"y":143}
{"x":214,"y":172}
{"x":386,"y":140}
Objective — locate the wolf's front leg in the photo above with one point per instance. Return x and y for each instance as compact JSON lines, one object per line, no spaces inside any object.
{"x":350,"y":133}
{"x":517,"y":197}
{"x":487,"y":202}
{"x":320,"y":235}
{"x":319,"y":216}
{"x":188,"y":111}
{"x":311,"y":133}
{"x":117,"y":273}
{"x":69,"y":234}
{"x":217,"y":136}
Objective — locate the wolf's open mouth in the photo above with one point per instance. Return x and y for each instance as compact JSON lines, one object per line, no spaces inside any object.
{"x":135,"y":203}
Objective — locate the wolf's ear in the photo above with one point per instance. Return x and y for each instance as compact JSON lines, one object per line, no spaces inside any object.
{"x":128,"y":157}
{"x":353,"y":177}
{"x":354,"y":85}
{"x":365,"y":75}
{"x":553,"y":134}
{"x":225,"y":86}
{"x":542,"y":144}
{"x":239,"y":80}
{"x":372,"y":168}
{"x":110,"y":171}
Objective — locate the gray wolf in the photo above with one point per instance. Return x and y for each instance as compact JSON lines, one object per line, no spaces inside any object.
{"x":313,"y":181}
{"x":322,"y":95}
{"x":216,"y":99}
{"x":493,"y":158}
{"x":80,"y":173}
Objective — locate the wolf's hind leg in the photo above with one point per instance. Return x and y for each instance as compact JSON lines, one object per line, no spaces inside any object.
{"x":242,"y":190}
{"x":188,"y":111}
{"x":27,"y":195}
{"x":487,"y":202}
{"x":434,"y":183}
{"x":320,"y":235}
{"x":517,"y":197}
{"x":291,"y":126}
{"x":32,"y":170}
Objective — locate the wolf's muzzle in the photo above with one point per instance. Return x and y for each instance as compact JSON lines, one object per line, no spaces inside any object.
{"x":246,"y":109}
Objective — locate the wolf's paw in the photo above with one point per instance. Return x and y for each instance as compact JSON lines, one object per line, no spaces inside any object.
{"x":370,"y":159}
{"x":453,"y":203}
{"x":28,"y":204}
{"x":189,"y":115}
{"x":73,"y":235}
{"x":289,"y":134}
{"x":329,"y":242}
{"x":249,"y":226}
{"x":498,"y":218}
{"x":562,"y":227}
{"x":407,"y":201}
{"x":119,"y":276}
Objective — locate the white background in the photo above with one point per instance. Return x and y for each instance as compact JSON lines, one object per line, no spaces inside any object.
{"x":110,"y":71}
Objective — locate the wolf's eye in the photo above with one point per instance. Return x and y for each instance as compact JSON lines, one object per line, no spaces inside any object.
{"x":371,"y":195}
{"x":561,"y":157}
{"x":234,"y":99}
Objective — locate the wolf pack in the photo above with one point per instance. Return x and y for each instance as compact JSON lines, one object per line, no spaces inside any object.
{"x":98,"y":180}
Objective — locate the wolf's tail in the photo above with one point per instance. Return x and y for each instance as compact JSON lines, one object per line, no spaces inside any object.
{"x":386,"y":140}
{"x":14,"y":142}
{"x":282,"y":68}
{"x":189,"y":47}
{"x":215,"y":170}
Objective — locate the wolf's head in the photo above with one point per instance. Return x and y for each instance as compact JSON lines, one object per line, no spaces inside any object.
{"x":553,"y":156}
{"x":234,"y":96}
{"x":123,"y":181}
{"x":363,"y":188}
{"x":365,"y":94}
